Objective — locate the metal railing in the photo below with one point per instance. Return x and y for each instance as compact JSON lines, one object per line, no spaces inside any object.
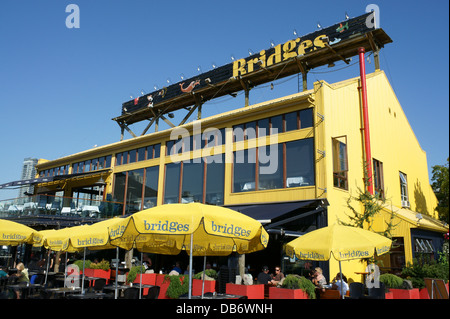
{"x":38,"y":205}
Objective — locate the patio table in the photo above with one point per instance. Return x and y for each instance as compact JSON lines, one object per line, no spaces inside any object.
{"x":90,"y":295}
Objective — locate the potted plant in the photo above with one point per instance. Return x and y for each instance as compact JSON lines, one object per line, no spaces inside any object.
{"x":420,"y":269}
{"x":178,"y":285}
{"x":293,"y":287}
{"x":100,"y":269}
{"x":208,"y":281}
{"x":397,"y":286}
{"x":132,"y":275}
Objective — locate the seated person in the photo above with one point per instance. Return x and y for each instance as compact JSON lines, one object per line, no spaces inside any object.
{"x":278,"y":276}
{"x":337,"y":283}
{"x":264,"y":277}
{"x":318,"y":278}
{"x":22,"y":273}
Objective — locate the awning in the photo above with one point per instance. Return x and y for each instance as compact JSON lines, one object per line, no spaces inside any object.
{"x":268,"y":212}
{"x":417,"y":220}
{"x":55,"y":179}
{"x":27,"y":182}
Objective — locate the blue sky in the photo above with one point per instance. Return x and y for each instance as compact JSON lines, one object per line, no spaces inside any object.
{"x":60,"y":87}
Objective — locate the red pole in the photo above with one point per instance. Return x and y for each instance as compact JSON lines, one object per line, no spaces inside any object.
{"x":368,"y":155}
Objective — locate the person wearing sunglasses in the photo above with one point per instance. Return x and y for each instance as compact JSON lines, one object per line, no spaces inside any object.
{"x":278,"y":276}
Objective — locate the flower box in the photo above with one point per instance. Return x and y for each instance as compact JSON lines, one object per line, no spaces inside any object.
{"x":210,"y":286}
{"x":283,"y":293}
{"x":147,"y":279}
{"x":163,"y":285}
{"x":406,"y":293}
{"x":423,"y":293}
{"x":389,"y":295}
{"x":251,"y":291}
{"x":99,"y":273}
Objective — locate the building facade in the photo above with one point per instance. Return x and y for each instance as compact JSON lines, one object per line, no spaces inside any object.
{"x":291,"y":163}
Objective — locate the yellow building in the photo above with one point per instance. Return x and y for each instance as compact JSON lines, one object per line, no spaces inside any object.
{"x":295,"y":181}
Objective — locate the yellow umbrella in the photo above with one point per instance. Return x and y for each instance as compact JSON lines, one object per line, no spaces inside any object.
{"x":13,"y":234}
{"x":343,"y":242}
{"x":97,"y":235}
{"x":199,"y":229}
{"x":216,"y":230}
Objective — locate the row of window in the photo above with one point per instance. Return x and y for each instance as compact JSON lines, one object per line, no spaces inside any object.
{"x":92,"y":165}
{"x":267,"y":126}
{"x":139,"y":154}
{"x":246,"y":131}
{"x":62,"y":170}
{"x":274,"y":125}
{"x":284,"y":165}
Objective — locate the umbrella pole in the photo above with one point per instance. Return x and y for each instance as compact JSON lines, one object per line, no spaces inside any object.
{"x":48,"y":261}
{"x":65,"y":271}
{"x":84,"y":259}
{"x":342,"y":280}
{"x":117,"y":271}
{"x":203,"y":276}
{"x":190,"y":267}
{"x":140,"y":279}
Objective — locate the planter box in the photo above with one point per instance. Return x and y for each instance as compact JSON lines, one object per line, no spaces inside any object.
{"x":283,"y":293}
{"x":251,"y":291}
{"x":99,"y":273}
{"x":423,"y":293}
{"x":210,"y":286}
{"x":147,"y":279}
{"x":389,"y":295}
{"x":163,"y":286}
{"x":406,"y":293}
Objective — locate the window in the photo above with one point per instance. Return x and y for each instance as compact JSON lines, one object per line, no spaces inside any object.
{"x":289,"y":164}
{"x":151,"y":186}
{"x":134,"y":191}
{"x":378,"y":182}
{"x":300,"y":163}
{"x":215,"y":179}
{"x":244,"y":169}
{"x":424,"y":248}
{"x":306,"y":118}
{"x":404,"y":190}
{"x":192,"y":184}
{"x":340,"y":168}
{"x":270,"y":167}
{"x":172,"y":183}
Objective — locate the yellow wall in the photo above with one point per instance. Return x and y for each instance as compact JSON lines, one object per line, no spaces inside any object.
{"x":392,"y":142}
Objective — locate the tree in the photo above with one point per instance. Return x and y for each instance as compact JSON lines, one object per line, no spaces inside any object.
{"x":440,"y":188}
{"x":372,"y":206}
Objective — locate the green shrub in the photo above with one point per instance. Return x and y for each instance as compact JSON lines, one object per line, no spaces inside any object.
{"x":79,"y":263}
{"x":391,"y":281}
{"x":134,"y":271}
{"x":104,"y":265}
{"x":179,"y":285}
{"x":209,"y":272}
{"x":420,"y":269}
{"x":299,"y":282}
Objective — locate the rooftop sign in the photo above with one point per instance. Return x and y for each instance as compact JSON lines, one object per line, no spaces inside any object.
{"x":337,"y":42}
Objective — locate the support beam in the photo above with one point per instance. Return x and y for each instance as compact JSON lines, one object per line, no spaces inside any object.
{"x":246,"y":90}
